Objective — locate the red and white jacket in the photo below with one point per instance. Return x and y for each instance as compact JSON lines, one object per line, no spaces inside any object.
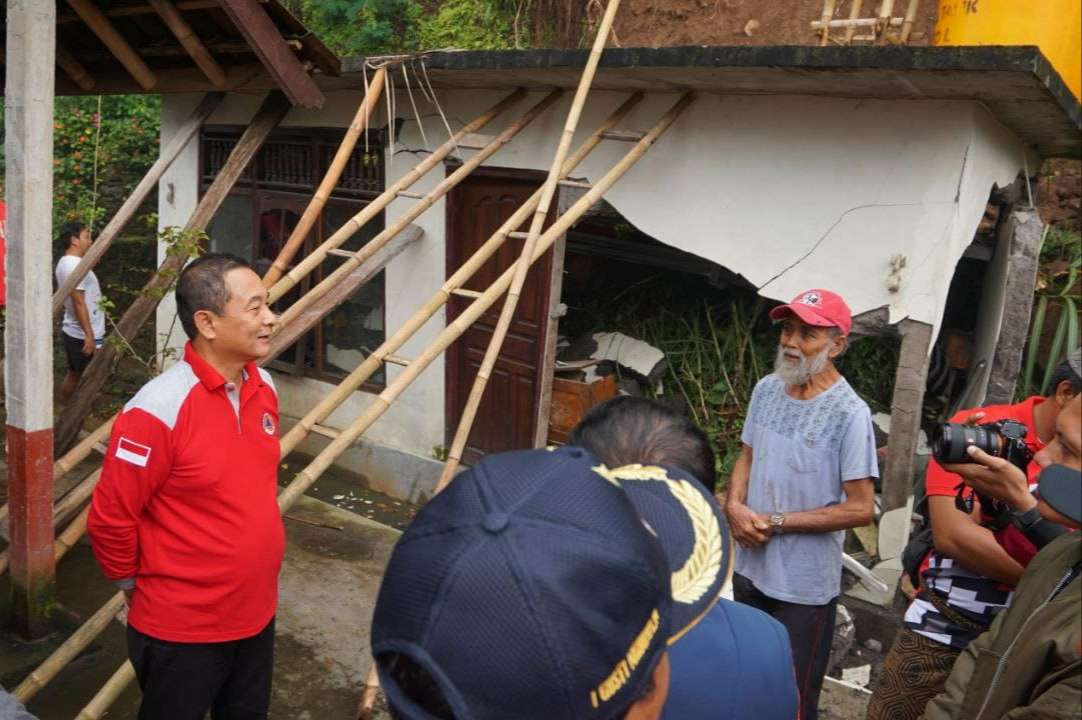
{"x":186,"y":505}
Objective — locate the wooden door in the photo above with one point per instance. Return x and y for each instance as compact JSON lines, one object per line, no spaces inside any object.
{"x":507,"y":418}
{"x":275,"y":218}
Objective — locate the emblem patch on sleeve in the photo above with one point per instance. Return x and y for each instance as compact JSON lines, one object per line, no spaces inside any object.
{"x":132,"y":452}
{"x":268,"y":424}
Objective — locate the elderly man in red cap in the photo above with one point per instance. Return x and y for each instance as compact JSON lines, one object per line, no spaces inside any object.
{"x":804,"y":475}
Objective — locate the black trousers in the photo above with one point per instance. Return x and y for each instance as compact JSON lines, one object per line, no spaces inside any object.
{"x":811,"y":632}
{"x":181,"y":681}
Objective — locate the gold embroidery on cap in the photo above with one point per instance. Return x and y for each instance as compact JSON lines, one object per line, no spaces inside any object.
{"x":623,"y":670}
{"x":701,"y":569}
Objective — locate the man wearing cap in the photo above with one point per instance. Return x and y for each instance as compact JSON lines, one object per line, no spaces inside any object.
{"x":969,"y":575}
{"x":732,"y":661}
{"x":1029,"y":664}
{"x":530,"y":589}
{"x":804,"y":475}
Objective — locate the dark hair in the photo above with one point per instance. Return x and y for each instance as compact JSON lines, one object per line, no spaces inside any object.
{"x":202,"y":287}
{"x":417,"y":684}
{"x":627,"y":430}
{"x":67,"y":231}
{"x":1064,"y":373}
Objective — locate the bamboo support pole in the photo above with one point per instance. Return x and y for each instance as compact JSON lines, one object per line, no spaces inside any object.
{"x":330,"y":180}
{"x":857,"y":23}
{"x":108,"y":693}
{"x":83,"y":448}
{"x":824,"y":21}
{"x":374,"y":208}
{"x":525,"y":260}
{"x":454,"y":330}
{"x":112,"y":39}
{"x":375,"y":360}
{"x":444,"y":187}
{"x":854,"y":13}
{"x":886,"y":10}
{"x":70,"y":648}
{"x":66,"y":540}
{"x":191,"y":43}
{"x":910,"y":18}
{"x":131,"y":205}
{"x":368,"y":697}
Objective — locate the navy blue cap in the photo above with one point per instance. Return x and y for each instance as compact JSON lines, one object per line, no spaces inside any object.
{"x":529,"y":589}
{"x":693,"y":533}
{"x":1061,"y":488}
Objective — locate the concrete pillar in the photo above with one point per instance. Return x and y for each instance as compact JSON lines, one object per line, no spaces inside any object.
{"x":905,"y":412}
{"x":28,"y":144}
{"x":1020,"y":239}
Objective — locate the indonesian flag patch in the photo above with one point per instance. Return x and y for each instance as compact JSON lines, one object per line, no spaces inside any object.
{"x":132,"y":452}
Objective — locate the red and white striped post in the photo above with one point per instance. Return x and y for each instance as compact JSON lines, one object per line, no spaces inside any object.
{"x":28,"y":350}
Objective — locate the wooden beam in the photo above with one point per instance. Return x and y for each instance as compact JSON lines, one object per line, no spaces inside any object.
{"x":250,"y":77}
{"x":121,"y":49}
{"x":905,"y":412}
{"x":276,"y":55}
{"x":342,"y":291}
{"x":74,"y":69}
{"x":127,"y":211}
{"x":272,"y":111}
{"x":189,"y":40}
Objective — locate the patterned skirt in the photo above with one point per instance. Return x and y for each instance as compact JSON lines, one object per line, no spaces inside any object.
{"x":914,"y":671}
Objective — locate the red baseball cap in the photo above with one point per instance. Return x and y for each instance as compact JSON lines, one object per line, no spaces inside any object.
{"x":821,"y":308}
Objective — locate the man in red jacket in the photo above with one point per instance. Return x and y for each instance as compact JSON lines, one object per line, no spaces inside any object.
{"x":184,"y":519}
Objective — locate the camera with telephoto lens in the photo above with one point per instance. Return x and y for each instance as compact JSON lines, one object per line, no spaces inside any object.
{"x":1005,"y":439}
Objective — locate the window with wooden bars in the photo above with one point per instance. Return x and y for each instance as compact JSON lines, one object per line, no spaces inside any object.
{"x":264,"y":207}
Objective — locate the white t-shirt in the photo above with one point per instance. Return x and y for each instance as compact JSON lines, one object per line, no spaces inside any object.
{"x":91,"y":294}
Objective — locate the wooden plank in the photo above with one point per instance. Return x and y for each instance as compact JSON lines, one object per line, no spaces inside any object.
{"x":272,"y":111}
{"x":251,"y":77}
{"x":905,"y":412}
{"x":74,"y":69}
{"x":111,"y":37}
{"x":131,"y":205}
{"x":291,"y":332}
{"x":130,"y":10}
{"x":278,"y":57}
{"x":189,"y":40}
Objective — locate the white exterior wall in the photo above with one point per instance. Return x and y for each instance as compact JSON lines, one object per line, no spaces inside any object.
{"x":790,"y":192}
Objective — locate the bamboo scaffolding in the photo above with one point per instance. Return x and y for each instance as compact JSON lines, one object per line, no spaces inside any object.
{"x":330,"y":180}
{"x":374,"y":208}
{"x":473,"y":311}
{"x":525,"y":260}
{"x":131,"y":205}
{"x":69,"y":649}
{"x":445,"y":186}
{"x":304,"y":479}
{"x":375,"y":360}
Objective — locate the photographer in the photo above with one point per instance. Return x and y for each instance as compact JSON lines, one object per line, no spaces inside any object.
{"x":1034,"y":642}
{"x":977,"y":559}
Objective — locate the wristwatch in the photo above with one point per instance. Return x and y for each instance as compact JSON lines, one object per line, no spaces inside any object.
{"x":777,"y":520}
{"x":1026,"y":520}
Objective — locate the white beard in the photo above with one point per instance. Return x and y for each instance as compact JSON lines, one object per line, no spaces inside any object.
{"x":799,"y":373}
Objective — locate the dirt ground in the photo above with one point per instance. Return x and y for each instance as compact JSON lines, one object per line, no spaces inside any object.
{"x":1059,"y":193}
{"x":666,"y":23}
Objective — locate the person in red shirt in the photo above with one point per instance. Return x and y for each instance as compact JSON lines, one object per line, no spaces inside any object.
{"x":969,"y":575}
{"x":185,"y":518}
